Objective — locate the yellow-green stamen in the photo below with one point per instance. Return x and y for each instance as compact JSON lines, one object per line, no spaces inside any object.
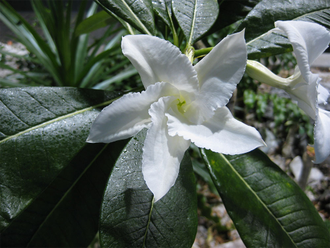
{"x":180,"y":104}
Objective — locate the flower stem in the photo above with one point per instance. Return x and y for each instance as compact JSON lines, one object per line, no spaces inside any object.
{"x":202,"y":52}
{"x":305,"y":171}
{"x":190,"y":52}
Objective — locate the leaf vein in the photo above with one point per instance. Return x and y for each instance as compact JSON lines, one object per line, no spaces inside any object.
{"x":39,"y":103}
{"x":290,"y":213}
{"x":11,"y":111}
{"x":278,"y":200}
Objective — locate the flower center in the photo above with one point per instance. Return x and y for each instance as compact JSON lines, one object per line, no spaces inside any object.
{"x":180,"y":104}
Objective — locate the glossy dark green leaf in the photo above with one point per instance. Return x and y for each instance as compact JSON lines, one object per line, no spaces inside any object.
{"x":162,"y":8}
{"x":195,"y":17}
{"x":94,"y":22}
{"x":47,"y":183}
{"x":130,"y":219}
{"x":271,"y":43}
{"x":139,"y":14}
{"x":68,"y":210}
{"x":261,"y":19}
{"x":268,"y":208}
{"x":231,"y":12}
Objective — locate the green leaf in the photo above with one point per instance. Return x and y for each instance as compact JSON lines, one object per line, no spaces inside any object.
{"x":118,"y":78}
{"x":23,"y":73}
{"x":30,"y":39}
{"x":231,"y":12}
{"x":271,"y":43}
{"x":60,"y":51}
{"x":79,"y":45}
{"x":68,"y":210}
{"x":261,"y":19}
{"x":195,"y":17}
{"x":94,"y":22}
{"x":99,"y":58}
{"x":201,"y":170}
{"x":267,"y":207}
{"x":265,"y":13}
{"x":160,"y":7}
{"x":129,"y":216}
{"x":51,"y":180}
{"x":137,"y":13}
{"x":9,"y":83}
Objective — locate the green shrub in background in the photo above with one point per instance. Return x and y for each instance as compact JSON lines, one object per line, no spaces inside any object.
{"x":64,"y":52}
{"x":285,"y":113}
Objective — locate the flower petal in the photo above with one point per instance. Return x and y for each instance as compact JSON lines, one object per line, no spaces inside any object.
{"x":158,"y":60}
{"x":322,"y":136}
{"x":323,"y":95}
{"x":309,"y":40}
{"x":128,"y":115}
{"x":162,"y":154}
{"x":306,"y":96}
{"x":220,"y":71}
{"x":223,"y":133}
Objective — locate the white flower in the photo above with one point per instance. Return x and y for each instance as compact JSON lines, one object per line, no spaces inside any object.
{"x":181,"y":103}
{"x":309,"y":40}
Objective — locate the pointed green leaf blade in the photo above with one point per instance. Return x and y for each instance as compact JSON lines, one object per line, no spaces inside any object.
{"x":28,"y":36}
{"x":128,"y":217}
{"x":41,"y":130}
{"x":267,"y":207}
{"x":195,"y":17}
{"x":139,"y":14}
{"x":261,"y":19}
{"x":94,"y":22}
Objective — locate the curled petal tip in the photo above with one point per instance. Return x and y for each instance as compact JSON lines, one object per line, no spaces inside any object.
{"x":91,"y":139}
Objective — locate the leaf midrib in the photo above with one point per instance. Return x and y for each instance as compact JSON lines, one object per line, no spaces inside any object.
{"x":56,"y":120}
{"x":148,"y":223}
{"x":193,"y":23}
{"x":136,"y":18}
{"x":258,"y":198}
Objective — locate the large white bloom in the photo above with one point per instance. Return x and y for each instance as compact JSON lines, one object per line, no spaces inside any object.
{"x":181,"y":103}
{"x":309,"y":40}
